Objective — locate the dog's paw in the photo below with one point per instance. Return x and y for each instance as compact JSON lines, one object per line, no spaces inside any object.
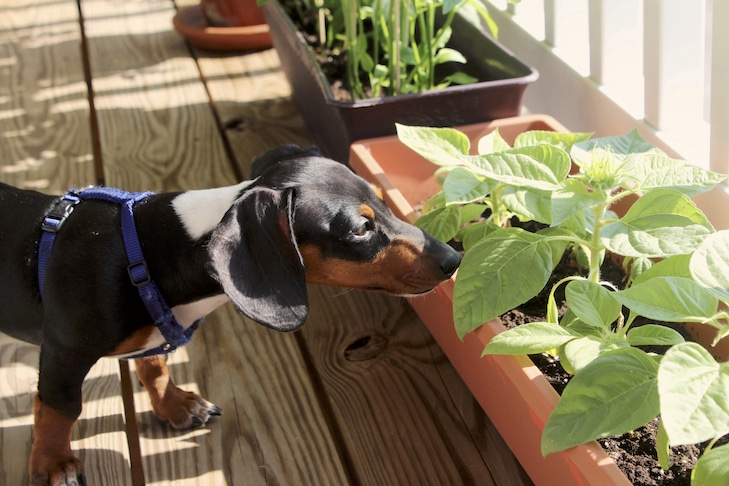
{"x":58,"y":471}
{"x":184,"y":410}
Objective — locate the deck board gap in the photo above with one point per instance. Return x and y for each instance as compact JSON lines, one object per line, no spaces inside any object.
{"x":329,"y":416}
{"x":93,"y":119}
{"x":130,"y":415}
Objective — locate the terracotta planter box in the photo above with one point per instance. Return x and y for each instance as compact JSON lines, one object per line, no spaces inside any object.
{"x":511,"y":390}
{"x":336,"y":124}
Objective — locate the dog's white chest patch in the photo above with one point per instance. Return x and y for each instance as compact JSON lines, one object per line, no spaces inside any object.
{"x":185,"y":315}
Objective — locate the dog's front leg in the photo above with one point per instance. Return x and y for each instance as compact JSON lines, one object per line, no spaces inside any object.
{"x":51,"y":460}
{"x":171,"y":404}
{"x":56,"y":409}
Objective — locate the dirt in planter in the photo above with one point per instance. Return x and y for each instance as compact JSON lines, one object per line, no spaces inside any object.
{"x":635,"y":452}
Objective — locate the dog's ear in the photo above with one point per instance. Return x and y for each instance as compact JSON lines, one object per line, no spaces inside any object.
{"x":257,"y":261}
{"x":280,"y":154}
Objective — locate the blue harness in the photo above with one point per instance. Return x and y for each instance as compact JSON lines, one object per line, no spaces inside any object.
{"x":174,"y":334}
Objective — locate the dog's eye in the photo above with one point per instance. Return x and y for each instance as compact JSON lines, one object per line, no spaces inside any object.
{"x":363,"y":229}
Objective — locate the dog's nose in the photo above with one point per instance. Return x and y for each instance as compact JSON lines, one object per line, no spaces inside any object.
{"x":450,"y":261}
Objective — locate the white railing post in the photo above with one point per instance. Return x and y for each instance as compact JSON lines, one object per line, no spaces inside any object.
{"x":565,"y":29}
{"x":615,"y":39}
{"x":673,"y":58}
{"x":719,"y":104}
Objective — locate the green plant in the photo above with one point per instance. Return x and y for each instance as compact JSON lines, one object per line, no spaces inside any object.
{"x":616,"y":386}
{"x":392,"y":47}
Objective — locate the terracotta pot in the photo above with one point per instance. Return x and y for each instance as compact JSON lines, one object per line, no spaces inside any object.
{"x":334,"y":125}
{"x":232,"y":13}
{"x":224,"y":25}
{"x":511,"y":390}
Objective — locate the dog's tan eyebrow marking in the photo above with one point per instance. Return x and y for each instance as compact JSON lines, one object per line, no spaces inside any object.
{"x":366,"y":211}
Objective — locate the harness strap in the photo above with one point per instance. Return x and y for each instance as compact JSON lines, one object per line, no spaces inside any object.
{"x":174,"y":334}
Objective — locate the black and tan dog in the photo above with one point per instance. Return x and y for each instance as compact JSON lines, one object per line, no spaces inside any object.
{"x":302,"y":219}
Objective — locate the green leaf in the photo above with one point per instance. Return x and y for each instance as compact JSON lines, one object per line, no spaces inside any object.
{"x":621,"y":146}
{"x":570,"y":321}
{"x":538,"y":167}
{"x":712,"y":468}
{"x":469,"y":212}
{"x":441,"y":39}
{"x":459,"y":78}
{"x":500,"y":272}
{"x":492,"y":142}
{"x":652,"y":171}
{"x":640,"y":265}
{"x":579,"y":353}
{"x":675,"y":266}
{"x":669,"y":299}
{"x":530,"y":204}
{"x":441,"y":146}
{"x":366,"y":61}
{"x":475,"y":232}
{"x":558,"y":245}
{"x":654,"y":335}
{"x":565,"y":141}
{"x":531,"y":338}
{"x":709,"y":265}
{"x":614,"y":394}
{"x":660,"y":224}
{"x":463,"y":186}
{"x":693,"y":388}
{"x":592,"y":303}
{"x":449,"y":5}
{"x":441,"y":223}
{"x":571,"y":198}
{"x":448,"y":55}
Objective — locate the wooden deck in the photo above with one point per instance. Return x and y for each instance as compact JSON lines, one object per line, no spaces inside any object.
{"x":104,"y":91}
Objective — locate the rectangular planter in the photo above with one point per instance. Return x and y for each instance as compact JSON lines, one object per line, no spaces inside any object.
{"x":510,"y":389}
{"x":336,"y":124}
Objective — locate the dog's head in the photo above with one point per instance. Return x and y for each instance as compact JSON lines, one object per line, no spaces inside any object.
{"x":306,"y":218}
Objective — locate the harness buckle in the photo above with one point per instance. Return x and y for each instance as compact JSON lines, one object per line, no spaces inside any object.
{"x":58,"y":215}
{"x":139,"y":273}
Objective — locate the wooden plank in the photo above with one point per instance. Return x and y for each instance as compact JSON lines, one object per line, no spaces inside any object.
{"x":385,"y":378}
{"x":254,"y":81}
{"x":44,"y":112}
{"x":271,"y":430}
{"x":155,"y":122}
{"x":46,"y":145}
{"x":18,"y":383}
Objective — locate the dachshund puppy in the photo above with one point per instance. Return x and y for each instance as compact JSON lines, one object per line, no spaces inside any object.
{"x":101,"y":272}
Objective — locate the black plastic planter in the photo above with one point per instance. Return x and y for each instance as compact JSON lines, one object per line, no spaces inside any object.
{"x":335,"y":125}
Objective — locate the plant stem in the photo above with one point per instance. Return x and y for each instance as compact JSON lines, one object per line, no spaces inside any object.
{"x":711,"y":443}
{"x":429,"y":46}
{"x":499,"y":211}
{"x":395,"y":51}
{"x":597,"y":250}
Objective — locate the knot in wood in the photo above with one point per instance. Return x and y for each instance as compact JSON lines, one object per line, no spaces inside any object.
{"x":365,"y":348}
